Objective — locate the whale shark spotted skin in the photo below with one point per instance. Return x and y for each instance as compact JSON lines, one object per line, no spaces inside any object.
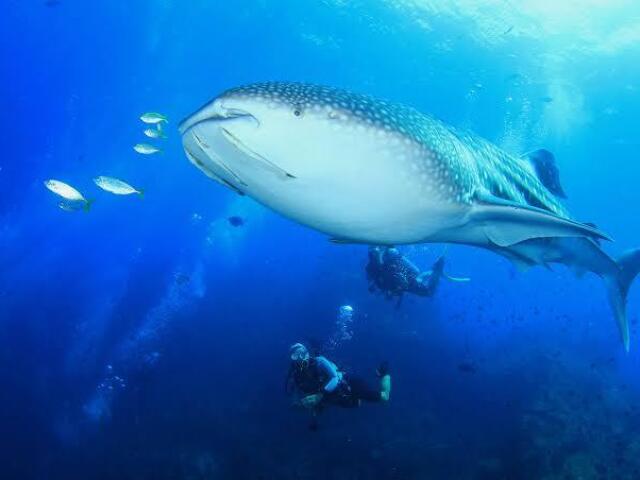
{"x":364,"y":170}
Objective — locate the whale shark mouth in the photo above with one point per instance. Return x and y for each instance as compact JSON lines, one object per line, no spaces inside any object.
{"x":205,"y":146}
{"x":216,"y":116}
{"x":223,"y":120}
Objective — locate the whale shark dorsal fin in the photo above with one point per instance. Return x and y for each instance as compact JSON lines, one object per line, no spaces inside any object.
{"x":506,"y":223}
{"x":546,"y":169}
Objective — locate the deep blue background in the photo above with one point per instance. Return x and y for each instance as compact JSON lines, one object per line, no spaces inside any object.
{"x":552,"y":391}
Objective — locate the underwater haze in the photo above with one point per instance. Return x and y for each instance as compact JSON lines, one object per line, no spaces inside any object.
{"x":148,"y":337}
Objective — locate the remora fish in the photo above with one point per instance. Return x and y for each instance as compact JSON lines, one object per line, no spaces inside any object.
{"x":369,"y":171}
{"x":116,"y":186}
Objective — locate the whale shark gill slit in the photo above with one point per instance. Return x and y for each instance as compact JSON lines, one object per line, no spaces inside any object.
{"x":211,"y":174}
{"x":247,"y":151}
{"x":216,"y":159}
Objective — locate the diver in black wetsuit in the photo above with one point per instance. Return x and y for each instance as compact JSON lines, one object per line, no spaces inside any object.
{"x":318,"y":382}
{"x":394,"y":274}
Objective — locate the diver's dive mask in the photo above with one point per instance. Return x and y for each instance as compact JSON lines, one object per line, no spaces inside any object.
{"x":298,"y":353}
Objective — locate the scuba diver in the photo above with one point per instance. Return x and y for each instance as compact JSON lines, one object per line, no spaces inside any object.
{"x":317,"y":382}
{"x":394,"y":274}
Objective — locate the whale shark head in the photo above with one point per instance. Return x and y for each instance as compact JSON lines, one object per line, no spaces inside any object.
{"x":345,"y":164}
{"x":282,"y":126}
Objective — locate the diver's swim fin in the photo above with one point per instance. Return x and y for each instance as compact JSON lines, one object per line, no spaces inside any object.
{"x":438,"y":269}
{"x":456,"y":279}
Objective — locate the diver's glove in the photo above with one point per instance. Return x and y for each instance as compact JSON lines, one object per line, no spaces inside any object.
{"x":311,"y":401}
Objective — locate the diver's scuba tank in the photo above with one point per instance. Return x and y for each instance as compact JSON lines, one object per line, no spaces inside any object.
{"x":385,"y":388}
{"x":385,"y":382}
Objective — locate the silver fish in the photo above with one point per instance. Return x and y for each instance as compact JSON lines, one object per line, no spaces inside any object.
{"x":145,"y":148}
{"x":364,"y":170}
{"x":153,"y":118}
{"x":73,"y":199}
{"x":116,"y":186}
{"x":64,"y":190}
{"x":154,"y":132}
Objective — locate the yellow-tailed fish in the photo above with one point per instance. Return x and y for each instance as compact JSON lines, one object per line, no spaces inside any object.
{"x":153,"y":117}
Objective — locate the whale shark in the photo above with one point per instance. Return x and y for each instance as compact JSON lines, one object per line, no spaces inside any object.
{"x":365,"y":170}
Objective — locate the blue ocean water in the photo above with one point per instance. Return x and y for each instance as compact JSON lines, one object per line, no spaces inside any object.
{"x":149,"y":338}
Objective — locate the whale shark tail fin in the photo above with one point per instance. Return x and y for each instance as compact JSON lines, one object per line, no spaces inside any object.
{"x":618,"y":287}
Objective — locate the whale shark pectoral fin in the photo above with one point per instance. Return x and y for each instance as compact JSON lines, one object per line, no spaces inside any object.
{"x":506,"y":223}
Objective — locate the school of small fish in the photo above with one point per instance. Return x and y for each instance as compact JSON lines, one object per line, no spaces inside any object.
{"x":156,"y":119}
{"x":74,"y":201}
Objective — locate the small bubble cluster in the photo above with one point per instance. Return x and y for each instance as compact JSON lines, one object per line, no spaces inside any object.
{"x":343,"y":328}
{"x":111,"y":382}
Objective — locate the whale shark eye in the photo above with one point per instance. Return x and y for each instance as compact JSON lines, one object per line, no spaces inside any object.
{"x":297,"y":110}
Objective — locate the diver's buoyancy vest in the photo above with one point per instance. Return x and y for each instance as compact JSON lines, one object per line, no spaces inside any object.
{"x":310,"y":380}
